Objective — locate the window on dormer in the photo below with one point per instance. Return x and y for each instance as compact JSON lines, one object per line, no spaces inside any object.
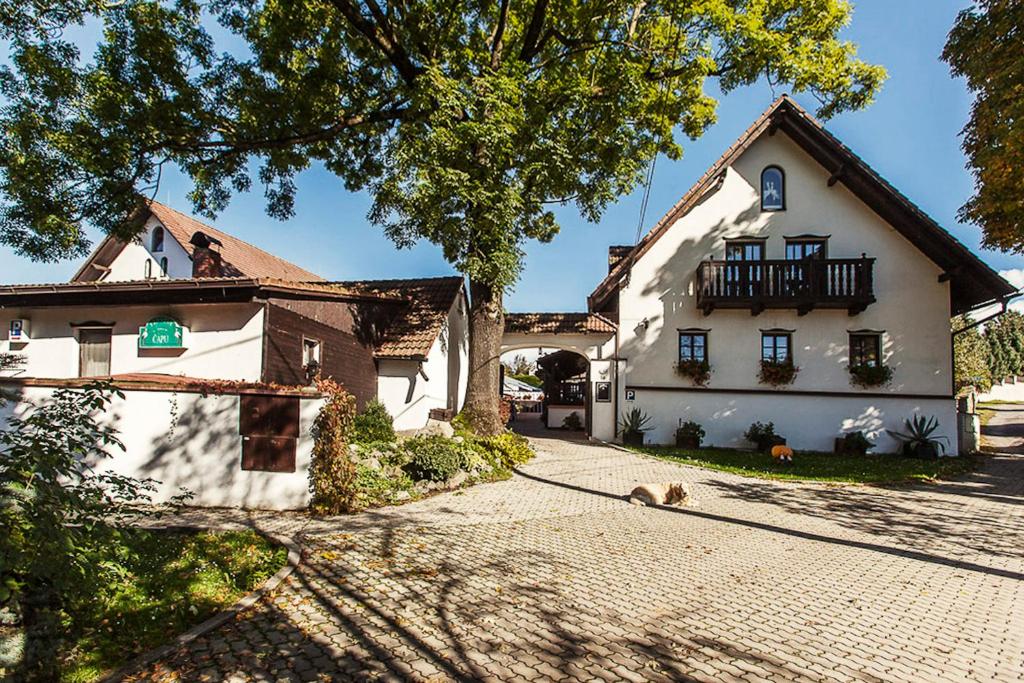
{"x":163,"y":266}
{"x":147,"y":269}
{"x":157,"y":240}
{"x":773,"y":189}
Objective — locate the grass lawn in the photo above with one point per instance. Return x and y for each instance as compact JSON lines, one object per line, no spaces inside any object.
{"x":157,"y":585}
{"x":815,"y":466}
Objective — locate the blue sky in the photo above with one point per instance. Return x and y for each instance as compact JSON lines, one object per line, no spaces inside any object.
{"x":910,"y":135}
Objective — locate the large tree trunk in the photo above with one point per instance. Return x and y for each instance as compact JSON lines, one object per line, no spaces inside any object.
{"x":486,"y":326}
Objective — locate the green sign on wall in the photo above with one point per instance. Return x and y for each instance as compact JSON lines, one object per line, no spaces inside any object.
{"x":161,"y":334}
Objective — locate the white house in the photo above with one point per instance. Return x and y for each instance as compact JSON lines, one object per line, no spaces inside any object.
{"x":187,"y":311}
{"x":789,"y":250}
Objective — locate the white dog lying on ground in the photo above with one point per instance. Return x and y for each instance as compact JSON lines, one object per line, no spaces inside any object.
{"x":661,"y":494}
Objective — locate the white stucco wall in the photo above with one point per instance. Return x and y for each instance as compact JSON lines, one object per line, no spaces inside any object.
{"x":410,"y":391}
{"x":224,"y":340}
{"x":201,"y":452}
{"x":808,"y":423}
{"x":912,"y":308}
{"x":130,"y":263}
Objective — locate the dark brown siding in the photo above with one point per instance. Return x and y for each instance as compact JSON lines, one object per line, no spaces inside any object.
{"x":345,"y":355}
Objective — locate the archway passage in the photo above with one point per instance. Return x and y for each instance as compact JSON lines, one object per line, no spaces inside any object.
{"x":588,"y":386}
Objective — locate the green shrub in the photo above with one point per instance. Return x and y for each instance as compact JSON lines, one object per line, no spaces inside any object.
{"x":373,"y":424}
{"x":504,"y":450}
{"x":436,"y":458}
{"x":375,"y":487}
{"x":572,"y":421}
{"x":332,"y":474}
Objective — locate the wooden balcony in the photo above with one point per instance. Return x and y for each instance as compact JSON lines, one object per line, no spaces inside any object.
{"x":802,"y":285}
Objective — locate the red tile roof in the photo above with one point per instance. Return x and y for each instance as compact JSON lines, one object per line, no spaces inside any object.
{"x":412,"y":332}
{"x":558,"y":323}
{"x":239,"y":258}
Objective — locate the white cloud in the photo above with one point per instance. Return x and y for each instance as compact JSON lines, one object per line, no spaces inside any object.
{"x":1015,"y":276}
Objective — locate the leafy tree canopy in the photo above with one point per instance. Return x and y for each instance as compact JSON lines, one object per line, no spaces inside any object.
{"x":1005,"y":339}
{"x":985,"y":48}
{"x":467,"y":121}
{"x":970,"y":356}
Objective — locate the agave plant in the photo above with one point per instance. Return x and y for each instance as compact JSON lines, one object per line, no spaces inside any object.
{"x":635,"y":421}
{"x":919,"y":436}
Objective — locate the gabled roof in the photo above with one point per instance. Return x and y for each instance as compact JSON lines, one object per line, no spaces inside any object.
{"x":972,"y":281}
{"x":415,"y":327}
{"x":192,"y":290}
{"x":238,"y":258}
{"x":558,"y":323}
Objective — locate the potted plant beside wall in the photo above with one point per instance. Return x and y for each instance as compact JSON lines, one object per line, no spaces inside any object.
{"x":689,"y":434}
{"x":634,"y":423}
{"x":762,"y":435}
{"x":777,"y":373}
{"x":919,"y":439}
{"x":697,"y":371}
{"x":852,"y":443}
{"x":869,"y":376}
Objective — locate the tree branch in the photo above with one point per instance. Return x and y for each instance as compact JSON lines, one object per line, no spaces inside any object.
{"x":380,"y":35}
{"x":531,"y":40}
{"x":497,"y":37}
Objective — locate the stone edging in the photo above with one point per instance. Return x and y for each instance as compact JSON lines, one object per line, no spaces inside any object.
{"x":221,"y":618}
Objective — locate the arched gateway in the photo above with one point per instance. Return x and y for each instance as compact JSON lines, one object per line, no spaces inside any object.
{"x":589,"y":335}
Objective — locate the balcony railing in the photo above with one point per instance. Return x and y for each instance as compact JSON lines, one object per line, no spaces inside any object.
{"x":804,"y":285}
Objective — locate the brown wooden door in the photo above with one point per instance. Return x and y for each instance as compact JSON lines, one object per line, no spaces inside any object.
{"x":269,"y":426}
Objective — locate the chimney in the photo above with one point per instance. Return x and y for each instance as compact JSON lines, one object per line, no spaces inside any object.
{"x":205,"y":261}
{"x":616,"y":254}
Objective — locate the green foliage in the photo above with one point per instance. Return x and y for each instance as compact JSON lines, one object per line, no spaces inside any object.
{"x":1004,"y":337}
{"x":153,"y":586}
{"x":436,"y":458}
{"x":519,"y":366}
{"x":829,"y":467}
{"x":762,"y":434}
{"x":468,"y":126}
{"x":856,"y":442}
{"x":777,"y":373}
{"x":984,"y":47}
{"x":530,"y":379}
{"x":920,"y":431}
{"x":373,"y":424}
{"x":635,"y":421}
{"x":55,"y":505}
{"x":697,"y":371}
{"x":690,"y":430}
{"x":970,"y":356}
{"x":867,"y":376}
{"x":572,"y":421}
{"x":332,"y":474}
{"x":381,"y":486}
{"x":505,"y":450}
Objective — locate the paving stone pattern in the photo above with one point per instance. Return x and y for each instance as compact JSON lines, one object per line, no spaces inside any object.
{"x":553,"y":576}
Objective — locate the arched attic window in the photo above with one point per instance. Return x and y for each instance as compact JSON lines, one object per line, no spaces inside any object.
{"x":163,"y":266}
{"x":157,"y":240}
{"x":773,"y":189}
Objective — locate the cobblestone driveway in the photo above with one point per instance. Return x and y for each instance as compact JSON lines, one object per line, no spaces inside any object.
{"x":552,"y":576}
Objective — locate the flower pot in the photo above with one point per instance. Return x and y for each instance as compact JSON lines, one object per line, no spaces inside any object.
{"x":689,"y":442}
{"x":926,"y":451}
{"x":633,"y":438}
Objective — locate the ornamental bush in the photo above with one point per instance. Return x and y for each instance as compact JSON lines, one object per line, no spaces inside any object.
{"x":373,"y":424}
{"x":436,"y":458}
{"x":505,"y":450}
{"x":332,"y":474}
